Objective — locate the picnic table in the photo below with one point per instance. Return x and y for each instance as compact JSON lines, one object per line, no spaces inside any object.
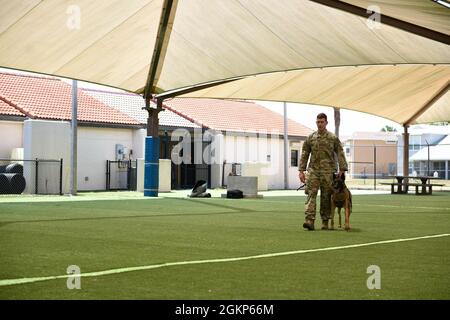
{"x":403,"y":184}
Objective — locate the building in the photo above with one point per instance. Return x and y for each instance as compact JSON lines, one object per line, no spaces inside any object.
{"x":245,"y":135}
{"x":41,"y":126}
{"x":429,"y":150}
{"x":370,"y":151}
{"x":35,"y":112}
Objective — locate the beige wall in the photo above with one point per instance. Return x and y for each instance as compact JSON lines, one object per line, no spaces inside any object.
{"x":165,"y":172}
{"x":363,"y":151}
{"x":254,"y":151}
{"x":95,"y":146}
{"x":11,"y":133}
{"x":46,"y":140}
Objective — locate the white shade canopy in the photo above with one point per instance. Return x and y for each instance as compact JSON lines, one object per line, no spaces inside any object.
{"x":387,"y":58}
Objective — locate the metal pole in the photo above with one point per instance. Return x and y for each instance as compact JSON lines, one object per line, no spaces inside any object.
{"x":405,"y":152}
{"x":286,"y":147}
{"x":60,"y":176}
{"x":428,"y":166}
{"x":374,"y":167}
{"x":107,"y":175}
{"x":36,"y":177}
{"x":73,"y":154}
{"x":152,"y":146}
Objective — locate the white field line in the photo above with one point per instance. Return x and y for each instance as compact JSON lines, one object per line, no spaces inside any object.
{"x":359,"y":204}
{"x":9,"y":282}
{"x":405,"y":207}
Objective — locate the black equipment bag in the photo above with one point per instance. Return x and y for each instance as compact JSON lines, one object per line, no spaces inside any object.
{"x":235,"y":194}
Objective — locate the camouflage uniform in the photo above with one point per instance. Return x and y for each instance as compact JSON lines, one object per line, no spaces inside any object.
{"x":322,"y":148}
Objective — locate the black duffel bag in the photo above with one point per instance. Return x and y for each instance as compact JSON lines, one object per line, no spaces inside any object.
{"x":235,"y":194}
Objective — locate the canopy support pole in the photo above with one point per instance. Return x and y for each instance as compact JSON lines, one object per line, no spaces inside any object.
{"x":73,"y":140}
{"x":160,"y":49}
{"x":436,"y":97}
{"x":393,"y":22}
{"x":152,"y":142}
{"x":286,"y":147}
{"x":405,"y":151}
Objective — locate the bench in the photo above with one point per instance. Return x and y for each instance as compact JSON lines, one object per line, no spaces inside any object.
{"x":403,"y":187}
{"x":400,"y":189}
{"x":424,"y":187}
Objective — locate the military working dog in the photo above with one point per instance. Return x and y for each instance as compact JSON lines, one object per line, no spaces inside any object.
{"x":340,"y":198}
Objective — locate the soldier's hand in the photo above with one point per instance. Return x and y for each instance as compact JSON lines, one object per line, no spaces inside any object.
{"x":301,"y":175}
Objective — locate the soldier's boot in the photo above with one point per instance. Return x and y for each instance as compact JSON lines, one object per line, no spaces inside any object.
{"x":309,"y":224}
{"x":324,"y":224}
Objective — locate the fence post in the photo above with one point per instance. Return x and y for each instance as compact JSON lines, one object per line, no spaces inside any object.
{"x":374,"y":167}
{"x":136,"y":176}
{"x":428,"y":162}
{"x":36,"y":175}
{"x":60,"y":176}
{"x":129,"y":175}
{"x":107,"y":175}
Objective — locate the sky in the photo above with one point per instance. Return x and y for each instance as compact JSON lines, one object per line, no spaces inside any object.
{"x":351,"y":121}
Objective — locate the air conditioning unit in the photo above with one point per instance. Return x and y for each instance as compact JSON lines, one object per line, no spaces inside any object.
{"x":120,"y":152}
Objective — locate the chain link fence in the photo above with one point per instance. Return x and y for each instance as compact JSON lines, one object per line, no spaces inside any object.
{"x":121,"y":175}
{"x":369,"y":165}
{"x":38,"y":176}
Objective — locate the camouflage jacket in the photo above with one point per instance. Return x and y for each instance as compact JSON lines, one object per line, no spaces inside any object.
{"x":322,"y":148}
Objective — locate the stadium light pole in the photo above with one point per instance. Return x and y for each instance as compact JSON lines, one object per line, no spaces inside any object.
{"x":286,"y":147}
{"x":73,"y":154}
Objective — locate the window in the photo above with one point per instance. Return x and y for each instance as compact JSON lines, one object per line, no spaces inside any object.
{"x":448,"y":169}
{"x":294,"y":158}
{"x":414,"y":167}
{"x":439,"y":167}
{"x":414,"y":143}
{"x":392,"y":167}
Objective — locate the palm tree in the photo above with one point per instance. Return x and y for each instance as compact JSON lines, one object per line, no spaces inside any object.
{"x":388,"y":129}
{"x":337,"y":121}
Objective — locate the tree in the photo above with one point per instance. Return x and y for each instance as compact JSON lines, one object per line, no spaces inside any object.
{"x":388,"y":129}
{"x":337,"y":121}
{"x":337,"y":124}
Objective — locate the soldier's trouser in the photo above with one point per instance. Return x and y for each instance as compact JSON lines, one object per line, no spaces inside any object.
{"x":315,"y":181}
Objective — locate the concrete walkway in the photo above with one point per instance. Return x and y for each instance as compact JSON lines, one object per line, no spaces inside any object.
{"x":217,"y":193}
{"x":131,"y":195}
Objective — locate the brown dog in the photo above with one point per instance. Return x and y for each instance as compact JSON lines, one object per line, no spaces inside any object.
{"x":341,"y":198}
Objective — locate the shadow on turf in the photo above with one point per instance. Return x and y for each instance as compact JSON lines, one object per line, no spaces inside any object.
{"x":343,"y":230}
{"x":2,"y":224}
{"x":235,"y":211}
{"x":219,"y":205}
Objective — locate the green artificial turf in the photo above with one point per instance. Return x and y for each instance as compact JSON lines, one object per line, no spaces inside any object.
{"x":44,"y":238}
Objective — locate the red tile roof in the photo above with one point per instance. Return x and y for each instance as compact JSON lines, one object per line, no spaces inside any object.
{"x":133,"y":104}
{"x":9,"y":110}
{"x":41,"y":97}
{"x":240,"y":116}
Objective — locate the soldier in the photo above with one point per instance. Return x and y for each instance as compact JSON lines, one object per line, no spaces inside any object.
{"x":322,"y":145}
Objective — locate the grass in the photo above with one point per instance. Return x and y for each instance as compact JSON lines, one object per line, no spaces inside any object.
{"x":44,"y":238}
